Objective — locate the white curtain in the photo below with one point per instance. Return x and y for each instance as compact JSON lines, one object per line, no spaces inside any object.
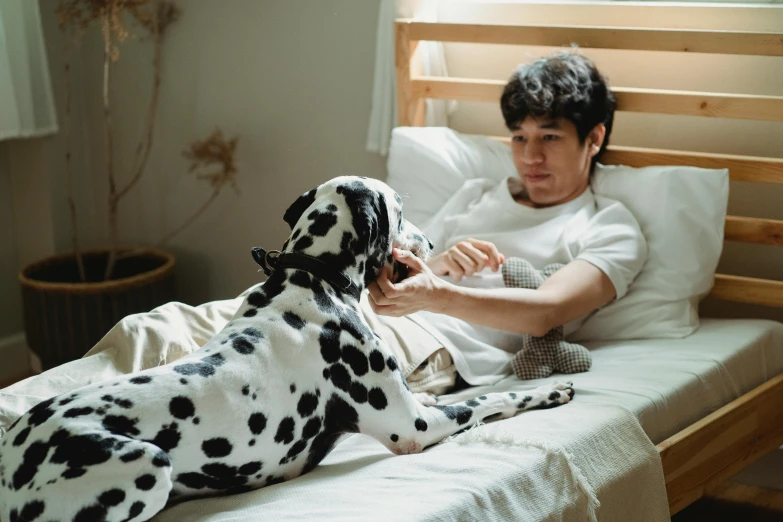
{"x":383,"y":116}
{"x":26,"y":101}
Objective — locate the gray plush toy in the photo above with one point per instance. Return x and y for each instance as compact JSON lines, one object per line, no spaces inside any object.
{"x":541,"y":356}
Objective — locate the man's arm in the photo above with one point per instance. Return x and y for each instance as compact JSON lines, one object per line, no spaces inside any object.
{"x":572,"y":292}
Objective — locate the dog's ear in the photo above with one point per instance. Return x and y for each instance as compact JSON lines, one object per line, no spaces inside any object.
{"x":298,"y":207}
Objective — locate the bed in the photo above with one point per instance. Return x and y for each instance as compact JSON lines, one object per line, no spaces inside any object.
{"x":656,"y":421}
{"x":724,"y":440}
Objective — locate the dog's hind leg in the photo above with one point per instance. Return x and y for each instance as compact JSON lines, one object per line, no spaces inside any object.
{"x":76,"y":483}
{"x":406,"y":426}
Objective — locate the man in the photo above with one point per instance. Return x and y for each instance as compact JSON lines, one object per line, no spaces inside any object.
{"x":560,"y":112}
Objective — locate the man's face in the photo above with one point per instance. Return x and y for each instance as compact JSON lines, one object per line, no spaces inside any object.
{"x":553,"y":166}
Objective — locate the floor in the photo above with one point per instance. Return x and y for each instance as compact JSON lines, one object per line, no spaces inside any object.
{"x":730,"y":502}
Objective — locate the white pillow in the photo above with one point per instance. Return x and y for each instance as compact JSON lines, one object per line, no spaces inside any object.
{"x":681,"y":212}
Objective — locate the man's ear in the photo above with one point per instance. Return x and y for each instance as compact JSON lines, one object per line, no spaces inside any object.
{"x":596,"y":138}
{"x":298,"y":207}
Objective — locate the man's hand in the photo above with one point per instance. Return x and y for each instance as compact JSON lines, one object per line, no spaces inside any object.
{"x":466,"y":258}
{"x":421,"y":290}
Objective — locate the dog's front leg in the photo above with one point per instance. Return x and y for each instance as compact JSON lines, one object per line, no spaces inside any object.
{"x":405,"y":425}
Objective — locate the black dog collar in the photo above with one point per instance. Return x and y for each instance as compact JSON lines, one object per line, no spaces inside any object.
{"x":274,"y":259}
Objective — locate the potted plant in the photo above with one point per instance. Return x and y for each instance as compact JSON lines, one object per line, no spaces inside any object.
{"x":72,"y":299}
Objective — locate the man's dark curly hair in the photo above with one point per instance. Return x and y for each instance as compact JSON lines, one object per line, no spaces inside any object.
{"x":564,"y":85}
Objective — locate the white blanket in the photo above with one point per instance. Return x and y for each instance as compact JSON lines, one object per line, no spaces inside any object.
{"x":557,"y":464}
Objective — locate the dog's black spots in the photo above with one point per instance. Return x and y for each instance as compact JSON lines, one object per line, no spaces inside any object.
{"x":554,"y":395}
{"x":285,"y":431}
{"x":340,"y":376}
{"x":132,"y":455}
{"x":120,"y":425}
{"x":21,"y":437}
{"x":298,"y":207}
{"x":302,"y":243}
{"x":33,"y":457}
{"x":394,"y":437}
{"x":339,"y":417}
{"x":322,"y":222}
{"x":214,"y":360}
{"x":326,"y":373}
{"x":308,"y":402}
{"x":168,"y":437}
{"x":354,"y":358}
{"x":72,"y":473}
{"x":141,"y":379}
{"x":358,"y":392}
{"x":205,"y":370}
{"x":68,"y":400}
{"x":246,"y":389}
{"x":77,"y":412}
{"x":136,"y":509}
{"x":293,"y":320}
{"x":81,"y":451}
{"x":196,"y":420}
{"x":296,"y":449}
{"x":252,"y":442}
{"x":472,"y":403}
{"x":295,"y":235}
{"x":311,"y":428}
{"x":271,"y":480}
{"x":217,"y":447}
{"x":112,"y":497}
{"x":255,"y":333}
{"x":377,"y":399}
{"x":351,"y":323}
{"x":360,"y":268}
{"x":243,"y":346}
{"x":30,"y":512}
{"x":527,"y":398}
{"x":107,"y":398}
{"x":391,"y":362}
{"x":345,"y":242}
{"x":376,"y":361}
{"x":482,"y":397}
{"x":101,"y":410}
{"x":123,"y":403}
{"x":420,"y":424}
{"x":181,"y":407}
{"x":40,"y":413}
{"x":145,"y":482}
{"x":183,"y":381}
{"x":251,"y":312}
{"x":258,"y":299}
{"x":256,"y":423}
{"x":255,"y":396}
{"x":512,"y":395}
{"x":193,"y":480}
{"x":93,"y":513}
{"x":250,"y":468}
{"x":161,"y":460}
{"x":329,"y":340}
{"x":293,"y":388}
{"x":461,"y":414}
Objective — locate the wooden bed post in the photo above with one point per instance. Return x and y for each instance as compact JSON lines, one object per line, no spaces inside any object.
{"x":410,"y":107}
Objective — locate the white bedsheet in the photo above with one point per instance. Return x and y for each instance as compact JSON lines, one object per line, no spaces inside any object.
{"x":511,"y":470}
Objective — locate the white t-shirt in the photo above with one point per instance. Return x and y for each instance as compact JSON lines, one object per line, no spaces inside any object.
{"x":593,"y":228}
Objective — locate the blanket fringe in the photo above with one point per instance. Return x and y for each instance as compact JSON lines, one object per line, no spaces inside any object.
{"x":505,"y":438}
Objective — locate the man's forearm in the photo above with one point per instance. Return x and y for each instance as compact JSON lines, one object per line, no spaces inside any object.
{"x":515,"y":310}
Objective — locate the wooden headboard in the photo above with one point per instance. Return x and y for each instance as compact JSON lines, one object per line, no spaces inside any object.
{"x":413,"y":89}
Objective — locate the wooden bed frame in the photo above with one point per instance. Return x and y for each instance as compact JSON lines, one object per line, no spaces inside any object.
{"x":720,"y":445}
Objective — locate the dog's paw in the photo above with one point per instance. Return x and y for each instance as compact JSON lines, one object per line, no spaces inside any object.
{"x":562,"y":392}
{"x":426,"y":399}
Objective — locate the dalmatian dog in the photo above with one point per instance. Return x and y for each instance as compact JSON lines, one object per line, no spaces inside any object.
{"x":262,"y":402}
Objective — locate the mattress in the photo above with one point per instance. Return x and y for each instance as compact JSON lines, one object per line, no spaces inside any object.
{"x":666,"y":384}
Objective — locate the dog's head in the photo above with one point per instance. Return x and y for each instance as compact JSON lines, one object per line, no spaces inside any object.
{"x":353,"y":223}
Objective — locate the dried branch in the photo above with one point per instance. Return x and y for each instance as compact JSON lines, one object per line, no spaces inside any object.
{"x":113,"y":225}
{"x":68,"y":175}
{"x":214,"y":150}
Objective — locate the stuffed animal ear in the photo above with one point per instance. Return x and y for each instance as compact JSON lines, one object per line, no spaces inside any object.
{"x":298,"y":207}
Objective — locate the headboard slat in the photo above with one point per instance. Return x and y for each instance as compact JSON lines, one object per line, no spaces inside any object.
{"x":754,"y":230}
{"x":717,"y":105}
{"x":625,"y":38}
{"x":748,"y":290}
